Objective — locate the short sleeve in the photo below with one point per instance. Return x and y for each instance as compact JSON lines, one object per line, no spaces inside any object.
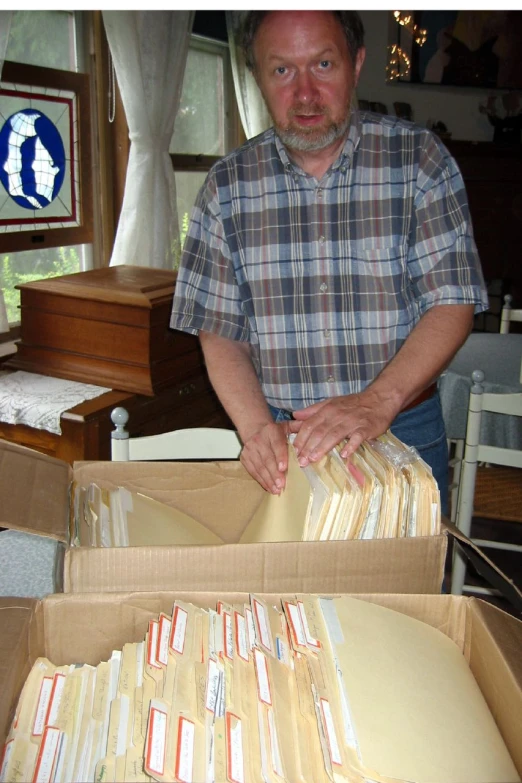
{"x":206,"y":296}
{"x":443,"y":262}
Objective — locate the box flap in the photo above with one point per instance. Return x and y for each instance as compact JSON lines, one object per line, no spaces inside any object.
{"x":496,"y":662}
{"x":411,"y":565}
{"x":15,"y":619}
{"x":34,"y":492}
{"x":486,"y":567}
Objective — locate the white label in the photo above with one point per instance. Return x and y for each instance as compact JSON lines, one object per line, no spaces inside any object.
{"x":263,"y":684}
{"x":56,"y":697}
{"x":46,"y":688}
{"x":277,"y":764}
{"x":241,"y":636}
{"x":310,"y":641}
{"x":179,"y":629}
{"x":262,"y":622}
{"x":236,"y":770}
{"x":121,"y":745}
{"x":153,"y":644}
{"x":296,"y":624}
{"x":251,"y":629}
{"x":228,"y":636}
{"x":46,"y":757}
{"x":185,"y":754}
{"x":140,"y":652}
{"x":212,"y":685}
{"x":61,"y":758}
{"x":156,"y":740}
{"x":333,"y":745}
{"x":163,"y":640}
{"x":350,"y":737}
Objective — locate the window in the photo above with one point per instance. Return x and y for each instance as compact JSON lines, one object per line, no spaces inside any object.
{"x":207,"y":124}
{"x":51,"y":39}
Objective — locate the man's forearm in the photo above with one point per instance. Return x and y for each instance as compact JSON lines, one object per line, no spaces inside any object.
{"x":426,"y":353}
{"x":232,"y":374}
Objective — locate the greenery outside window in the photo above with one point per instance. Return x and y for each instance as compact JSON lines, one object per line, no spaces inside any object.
{"x":207,"y":125}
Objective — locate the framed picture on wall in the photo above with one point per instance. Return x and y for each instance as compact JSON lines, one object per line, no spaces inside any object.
{"x":464,"y":48}
{"x":45,"y":153}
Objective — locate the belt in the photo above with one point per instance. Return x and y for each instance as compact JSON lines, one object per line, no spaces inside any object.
{"x":422,"y":397}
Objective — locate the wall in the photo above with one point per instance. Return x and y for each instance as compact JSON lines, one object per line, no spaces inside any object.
{"x":456,"y":107}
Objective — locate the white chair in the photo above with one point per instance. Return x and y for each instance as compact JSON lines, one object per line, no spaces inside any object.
{"x":184,"y":444}
{"x":508,"y":314}
{"x":475,"y":452}
{"x":456,"y":452}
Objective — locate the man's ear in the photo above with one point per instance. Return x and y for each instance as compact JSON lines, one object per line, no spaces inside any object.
{"x":359,"y":60}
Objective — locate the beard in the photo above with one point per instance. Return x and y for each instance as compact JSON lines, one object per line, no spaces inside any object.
{"x":312,"y":139}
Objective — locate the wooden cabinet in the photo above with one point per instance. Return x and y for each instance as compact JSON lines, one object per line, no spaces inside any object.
{"x":107,"y":326}
{"x":493,"y":177}
{"x":110,"y":327}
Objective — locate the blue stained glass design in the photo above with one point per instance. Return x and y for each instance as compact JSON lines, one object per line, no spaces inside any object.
{"x":32,"y":159}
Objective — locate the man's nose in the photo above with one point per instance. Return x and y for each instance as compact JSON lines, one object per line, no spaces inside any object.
{"x":305,"y":88}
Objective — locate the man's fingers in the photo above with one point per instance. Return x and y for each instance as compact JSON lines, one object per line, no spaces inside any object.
{"x":265,"y":456}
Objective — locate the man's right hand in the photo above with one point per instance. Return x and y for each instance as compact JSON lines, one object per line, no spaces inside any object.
{"x":265,"y":455}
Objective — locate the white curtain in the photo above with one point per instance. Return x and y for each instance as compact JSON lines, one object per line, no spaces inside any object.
{"x":149,"y":50}
{"x":5,"y":26}
{"x":252,"y":109}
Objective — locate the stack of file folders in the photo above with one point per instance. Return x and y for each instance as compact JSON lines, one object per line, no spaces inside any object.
{"x":305,"y":689}
{"x":385,"y":490}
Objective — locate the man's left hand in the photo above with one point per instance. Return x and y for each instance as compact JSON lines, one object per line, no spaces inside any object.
{"x":354,"y":417}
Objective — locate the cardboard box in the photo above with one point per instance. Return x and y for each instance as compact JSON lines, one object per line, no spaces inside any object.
{"x":86,"y":628}
{"x":34,"y":497}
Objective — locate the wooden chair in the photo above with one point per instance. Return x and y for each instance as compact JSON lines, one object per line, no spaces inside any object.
{"x":508,"y":314}
{"x":509,"y":478}
{"x":184,"y":444}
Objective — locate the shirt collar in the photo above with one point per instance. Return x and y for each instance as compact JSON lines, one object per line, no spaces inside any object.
{"x":345,"y":157}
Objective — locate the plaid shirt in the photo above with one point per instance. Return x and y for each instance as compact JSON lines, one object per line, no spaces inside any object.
{"x":326,"y":279}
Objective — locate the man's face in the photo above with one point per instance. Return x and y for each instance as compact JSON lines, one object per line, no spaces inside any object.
{"x":305,"y":73}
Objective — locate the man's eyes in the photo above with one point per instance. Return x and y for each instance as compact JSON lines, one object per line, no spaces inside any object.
{"x":281,"y":70}
{"x":325,"y":64}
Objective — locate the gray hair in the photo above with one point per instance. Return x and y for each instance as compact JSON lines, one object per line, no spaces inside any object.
{"x":350,"y":22}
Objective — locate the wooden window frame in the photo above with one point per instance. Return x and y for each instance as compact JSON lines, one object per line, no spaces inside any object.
{"x":77,"y":83}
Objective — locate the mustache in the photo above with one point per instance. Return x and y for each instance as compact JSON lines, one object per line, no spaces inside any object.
{"x":309,"y":110}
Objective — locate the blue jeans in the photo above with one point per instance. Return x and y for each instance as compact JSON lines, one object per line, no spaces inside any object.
{"x":423,"y":428}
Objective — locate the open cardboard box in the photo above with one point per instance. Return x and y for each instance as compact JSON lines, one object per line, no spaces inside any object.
{"x":85,"y":628}
{"x":34,"y":497}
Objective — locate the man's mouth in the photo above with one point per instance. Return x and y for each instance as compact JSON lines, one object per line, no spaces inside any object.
{"x":308,"y":120}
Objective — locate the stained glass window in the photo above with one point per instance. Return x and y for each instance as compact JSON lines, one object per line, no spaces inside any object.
{"x":38,"y":159}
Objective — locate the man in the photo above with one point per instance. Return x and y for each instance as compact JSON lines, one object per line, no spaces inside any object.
{"x":329,"y":267}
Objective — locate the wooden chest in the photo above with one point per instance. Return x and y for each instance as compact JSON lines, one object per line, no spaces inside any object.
{"x":107,"y":326}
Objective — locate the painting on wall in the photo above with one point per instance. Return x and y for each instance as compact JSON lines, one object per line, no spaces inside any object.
{"x":462,"y":48}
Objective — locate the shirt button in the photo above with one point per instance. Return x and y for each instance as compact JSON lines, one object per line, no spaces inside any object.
{"x":327,"y":333}
{"x":322,"y":240}
{"x":319,"y":192}
{"x":323,"y":287}
{"x":343,"y":169}
{"x":331,"y":379}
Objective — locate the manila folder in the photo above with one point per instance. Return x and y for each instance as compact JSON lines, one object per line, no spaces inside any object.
{"x":150,"y":523}
{"x":418,"y":712}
